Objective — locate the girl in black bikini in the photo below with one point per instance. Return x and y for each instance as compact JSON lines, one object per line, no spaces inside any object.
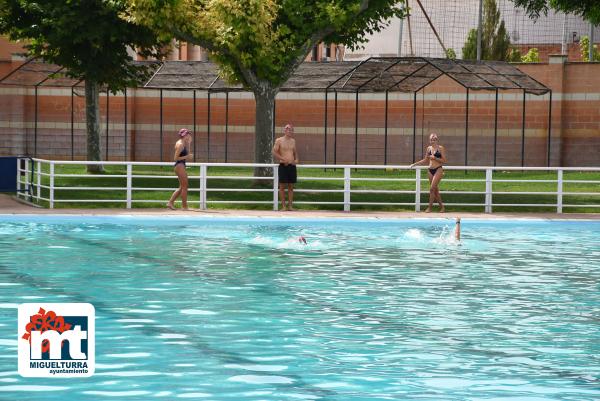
{"x":181,"y":155}
{"x":436,"y":156}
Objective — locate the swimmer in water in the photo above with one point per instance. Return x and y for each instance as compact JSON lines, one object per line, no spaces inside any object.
{"x":457,"y":229}
{"x":302,"y":240}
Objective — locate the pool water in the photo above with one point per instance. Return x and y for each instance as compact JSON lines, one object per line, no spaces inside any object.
{"x":238,"y":309}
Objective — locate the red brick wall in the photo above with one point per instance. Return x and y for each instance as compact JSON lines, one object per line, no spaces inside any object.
{"x":440,"y":108}
{"x":545,"y":50}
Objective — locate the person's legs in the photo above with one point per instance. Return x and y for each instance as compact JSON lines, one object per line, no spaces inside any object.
{"x":282,"y":195}
{"x":436,"y":188}
{"x":290,"y":197}
{"x":431,"y":192}
{"x":177,"y":192}
{"x":184,"y":189}
{"x":174,"y":196}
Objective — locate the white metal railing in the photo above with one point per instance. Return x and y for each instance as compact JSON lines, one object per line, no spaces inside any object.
{"x":34,"y":173}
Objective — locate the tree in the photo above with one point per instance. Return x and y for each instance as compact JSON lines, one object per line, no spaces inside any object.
{"x":469,"y":50}
{"x":90,"y":39}
{"x":514,"y":55}
{"x":588,"y":9}
{"x":260,"y":43}
{"x":495,"y":42}
{"x":500,"y":44}
{"x":532,"y":56}
{"x":584,"y":48}
{"x":450,"y":53}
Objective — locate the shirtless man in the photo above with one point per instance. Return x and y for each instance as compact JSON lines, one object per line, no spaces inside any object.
{"x":287,"y":156}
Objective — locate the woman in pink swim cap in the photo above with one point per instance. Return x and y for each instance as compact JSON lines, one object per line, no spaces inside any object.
{"x":182,"y":154}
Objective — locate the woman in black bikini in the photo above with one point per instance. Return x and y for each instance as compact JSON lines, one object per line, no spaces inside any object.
{"x":181,"y":155}
{"x":436,"y":156}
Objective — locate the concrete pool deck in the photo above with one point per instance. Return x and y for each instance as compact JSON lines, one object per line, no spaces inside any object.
{"x":9,"y":205}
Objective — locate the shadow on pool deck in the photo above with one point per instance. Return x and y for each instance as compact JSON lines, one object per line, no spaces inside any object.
{"x":9,"y":205}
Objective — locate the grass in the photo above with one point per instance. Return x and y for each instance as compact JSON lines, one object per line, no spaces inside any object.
{"x":453,"y":186}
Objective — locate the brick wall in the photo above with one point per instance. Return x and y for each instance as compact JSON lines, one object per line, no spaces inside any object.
{"x":441,"y":107}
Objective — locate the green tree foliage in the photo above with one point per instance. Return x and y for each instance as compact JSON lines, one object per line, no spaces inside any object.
{"x":450,"y":53}
{"x":260,"y":43}
{"x":89,"y":38}
{"x":532,"y":56}
{"x":495,"y":42}
{"x":500,"y":44}
{"x":588,"y":9}
{"x":584,"y":47}
{"x":514,"y":55}
{"x":469,"y":50}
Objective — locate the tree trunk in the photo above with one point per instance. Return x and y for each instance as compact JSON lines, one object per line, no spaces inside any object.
{"x":92,"y":121}
{"x":263,"y":137}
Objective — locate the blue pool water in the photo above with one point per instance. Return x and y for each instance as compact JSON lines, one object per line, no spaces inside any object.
{"x":238,"y":309}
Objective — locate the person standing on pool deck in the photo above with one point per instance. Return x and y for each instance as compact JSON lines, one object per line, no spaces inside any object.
{"x":286,"y":154}
{"x":436,"y":156}
{"x":182,"y":154}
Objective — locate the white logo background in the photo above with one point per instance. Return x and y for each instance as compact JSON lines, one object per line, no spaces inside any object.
{"x":61,"y":309}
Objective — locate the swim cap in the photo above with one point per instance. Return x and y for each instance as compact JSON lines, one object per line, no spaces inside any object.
{"x":184,"y":131}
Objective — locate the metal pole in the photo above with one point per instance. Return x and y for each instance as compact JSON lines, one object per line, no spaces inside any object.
{"x":549,"y":127}
{"x":107,"y":120}
{"x":591,"y":44}
{"x":35,"y":124}
{"x":479,"y":29}
{"x":273,"y":127}
{"x":356,"y":130}
{"x":385,"y":130}
{"x":467,"y":131}
{"x":433,"y":28}
{"x":325,"y":132}
{"x":523,"y":133}
{"x":161,"y":125}
{"x":496,"y":128}
{"x":226,"y":123}
{"x":72,"y":122}
{"x":335,"y":129}
{"x":410,"y":42}
{"x":563,"y":48}
{"x":194,"y":122}
{"x":400,"y":37}
{"x":414,"y":126}
{"x":208,"y":130}
{"x":125,"y":154}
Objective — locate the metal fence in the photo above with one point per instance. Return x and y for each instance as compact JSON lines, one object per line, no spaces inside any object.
{"x":39,"y":181}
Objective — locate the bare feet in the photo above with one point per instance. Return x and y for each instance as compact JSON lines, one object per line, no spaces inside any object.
{"x":170,"y":206}
{"x":428,"y":210}
{"x":290,"y":209}
{"x":442,"y":210}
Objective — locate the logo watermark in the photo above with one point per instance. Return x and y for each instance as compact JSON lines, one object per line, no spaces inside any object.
{"x":56,"y":340}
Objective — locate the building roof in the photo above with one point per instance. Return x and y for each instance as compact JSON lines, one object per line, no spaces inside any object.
{"x":376,"y":74}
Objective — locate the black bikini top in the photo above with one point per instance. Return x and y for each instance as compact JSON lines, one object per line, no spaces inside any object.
{"x":436,"y":154}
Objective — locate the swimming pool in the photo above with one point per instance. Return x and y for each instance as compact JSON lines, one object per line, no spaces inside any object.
{"x":238,"y":309}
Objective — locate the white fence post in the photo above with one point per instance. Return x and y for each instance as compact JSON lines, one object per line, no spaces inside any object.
{"x":18,"y":177}
{"x":417,"y":190}
{"x":27,"y":182}
{"x":488,"y":190}
{"x":275,"y":188}
{"x":559,"y":191}
{"x":129,"y":184}
{"x":51,"y":185}
{"x":39,"y":179}
{"x":203,"y":172}
{"x":347,"y":185}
